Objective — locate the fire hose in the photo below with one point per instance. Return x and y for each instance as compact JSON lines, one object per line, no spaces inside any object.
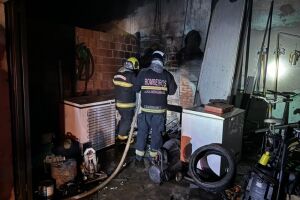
{"x":119,"y":167}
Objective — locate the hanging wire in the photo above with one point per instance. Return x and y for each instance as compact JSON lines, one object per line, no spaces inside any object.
{"x":157,"y":18}
{"x":85,"y":64}
{"x":186,"y":7}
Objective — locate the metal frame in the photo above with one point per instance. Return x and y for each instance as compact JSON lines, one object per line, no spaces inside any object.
{"x":244,"y":41}
{"x":264,"y":63}
{"x":19,"y":98}
{"x":219,"y":61}
{"x":277,"y":57}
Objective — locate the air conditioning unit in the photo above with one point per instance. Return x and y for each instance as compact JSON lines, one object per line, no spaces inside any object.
{"x":91,"y":120}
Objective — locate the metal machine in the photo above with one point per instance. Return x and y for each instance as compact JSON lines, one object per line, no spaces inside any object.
{"x":167,"y":163}
{"x":91,"y":120}
{"x":201,"y":128}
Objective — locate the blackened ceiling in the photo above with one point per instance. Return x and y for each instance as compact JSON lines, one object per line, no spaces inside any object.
{"x":87,"y":13}
{"x":90,"y":13}
{"x":286,"y":13}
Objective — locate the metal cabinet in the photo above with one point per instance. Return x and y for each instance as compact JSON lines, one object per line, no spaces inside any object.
{"x":91,"y":120}
{"x":200,"y":128}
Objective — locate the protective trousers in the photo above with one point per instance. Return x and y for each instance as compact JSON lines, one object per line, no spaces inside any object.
{"x":146,"y":122}
{"x":124,"y":124}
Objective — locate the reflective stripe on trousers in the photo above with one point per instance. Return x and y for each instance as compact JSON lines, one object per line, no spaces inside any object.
{"x":139,"y":153}
{"x":125,"y":105}
{"x":149,"y":110}
{"x":146,"y":122}
{"x":153,"y":153}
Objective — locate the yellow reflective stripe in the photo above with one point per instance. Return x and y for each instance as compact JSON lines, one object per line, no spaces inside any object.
{"x":125,"y":105}
{"x":144,"y":87}
{"x":122,"y":83}
{"x":139,"y":153}
{"x":153,"y":110}
{"x":153,"y":153}
{"x":122,"y":137}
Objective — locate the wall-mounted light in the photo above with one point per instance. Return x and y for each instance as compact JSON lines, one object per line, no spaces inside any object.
{"x":294,"y":57}
{"x":271,"y":72}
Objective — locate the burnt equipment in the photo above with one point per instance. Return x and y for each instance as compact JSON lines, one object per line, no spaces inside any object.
{"x":261,"y":184}
{"x":279,"y":169}
{"x":168,"y":165}
{"x":167,"y":162}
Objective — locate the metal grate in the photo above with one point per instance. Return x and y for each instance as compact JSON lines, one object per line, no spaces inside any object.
{"x":101,"y":126}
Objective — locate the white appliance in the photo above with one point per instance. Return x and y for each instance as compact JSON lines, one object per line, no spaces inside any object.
{"x":91,"y":120}
{"x":200,"y":128}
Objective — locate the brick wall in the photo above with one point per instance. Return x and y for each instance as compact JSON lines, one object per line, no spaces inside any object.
{"x":185,"y":93}
{"x":109,"y":51}
{"x":187,"y":90}
{"x":186,"y":77}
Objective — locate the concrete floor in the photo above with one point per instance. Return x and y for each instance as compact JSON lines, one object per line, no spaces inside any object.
{"x":134,"y":184}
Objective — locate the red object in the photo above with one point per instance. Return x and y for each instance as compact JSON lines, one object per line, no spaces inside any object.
{"x":6,"y":154}
{"x":218,"y":108}
{"x":186,"y":148}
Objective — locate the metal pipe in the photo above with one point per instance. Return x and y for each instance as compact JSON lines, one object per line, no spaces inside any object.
{"x":260,"y":54}
{"x":248,"y":42}
{"x":292,"y":125}
{"x":283,"y":159}
{"x":277,"y":66}
{"x":240,"y":55}
{"x":267,"y":53}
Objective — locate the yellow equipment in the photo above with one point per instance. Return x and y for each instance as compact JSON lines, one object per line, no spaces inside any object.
{"x":132,"y":63}
{"x":264,"y":158}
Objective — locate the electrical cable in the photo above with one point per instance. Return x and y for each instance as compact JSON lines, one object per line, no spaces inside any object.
{"x":120,"y":165}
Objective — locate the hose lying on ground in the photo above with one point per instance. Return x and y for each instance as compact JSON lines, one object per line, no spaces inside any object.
{"x":103,"y":184}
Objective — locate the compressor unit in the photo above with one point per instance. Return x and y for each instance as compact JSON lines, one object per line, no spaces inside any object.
{"x":91,"y":120}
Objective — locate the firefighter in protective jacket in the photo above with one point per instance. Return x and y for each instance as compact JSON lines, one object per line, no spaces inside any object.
{"x":125,"y":96}
{"x":155,"y":84}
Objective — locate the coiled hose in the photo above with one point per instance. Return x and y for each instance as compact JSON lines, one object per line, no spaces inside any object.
{"x":103,"y":184}
{"x":85,"y":66}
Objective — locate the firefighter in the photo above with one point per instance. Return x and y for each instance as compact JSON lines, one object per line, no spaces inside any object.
{"x":155,"y":84}
{"x":125,"y":96}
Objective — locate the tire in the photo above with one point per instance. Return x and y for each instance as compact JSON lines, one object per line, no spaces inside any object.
{"x":212,"y":185}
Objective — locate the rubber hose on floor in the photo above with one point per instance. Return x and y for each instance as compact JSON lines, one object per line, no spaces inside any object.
{"x":103,"y":184}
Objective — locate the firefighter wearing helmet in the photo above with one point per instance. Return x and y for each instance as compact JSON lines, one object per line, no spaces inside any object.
{"x":124,"y":81}
{"x":155,"y":84}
